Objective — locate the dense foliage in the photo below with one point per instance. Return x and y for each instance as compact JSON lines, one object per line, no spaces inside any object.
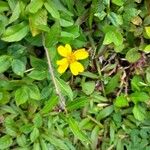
{"x":105,"y":107}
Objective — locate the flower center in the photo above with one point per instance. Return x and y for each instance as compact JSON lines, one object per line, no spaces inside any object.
{"x":71,"y":58}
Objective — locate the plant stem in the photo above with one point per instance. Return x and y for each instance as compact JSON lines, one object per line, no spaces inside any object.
{"x":51,"y":72}
{"x":94,"y":120}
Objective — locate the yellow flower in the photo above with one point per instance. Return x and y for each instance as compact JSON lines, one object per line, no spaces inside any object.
{"x":71,"y":59}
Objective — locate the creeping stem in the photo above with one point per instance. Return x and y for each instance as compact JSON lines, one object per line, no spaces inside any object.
{"x":51,"y":72}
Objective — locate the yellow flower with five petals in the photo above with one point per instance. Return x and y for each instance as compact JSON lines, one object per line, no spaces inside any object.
{"x":71,"y":59}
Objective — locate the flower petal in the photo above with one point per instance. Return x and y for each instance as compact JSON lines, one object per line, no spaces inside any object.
{"x":76,"y":68}
{"x":68,"y":47}
{"x":81,"y":54}
{"x":64,"y":51}
{"x":62,"y":68}
{"x":63,"y":65}
{"x":63,"y":61}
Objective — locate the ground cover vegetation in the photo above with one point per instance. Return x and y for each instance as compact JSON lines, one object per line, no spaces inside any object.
{"x":75,"y":74}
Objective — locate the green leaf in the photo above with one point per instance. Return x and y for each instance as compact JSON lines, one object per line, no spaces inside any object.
{"x":34,"y":6}
{"x":77,"y":103}
{"x":113,"y":83}
{"x":5,"y":63}
{"x":58,"y":4}
{"x":51,"y":38}
{"x":34,"y":134}
{"x":115,"y":19}
{"x":112,"y":131}
{"x":21,"y":140}
{"x":93,"y":9}
{"x":11,"y":131}
{"x":147,"y":29}
{"x":147,"y":20}
{"x":65,"y":88}
{"x":34,"y":92}
{"x":107,"y":2}
{"x":119,"y":48}
{"x":105,"y":112}
{"x":50,"y":104}
{"x":121,"y":101}
{"x":5,"y":142}
{"x":65,"y":23}
{"x":66,"y":36}
{"x":38,"y":22}
{"x":16,"y":13}
{"x":94,"y":137}
{"x":135,"y":83}
{"x":139,"y":97}
{"x":100,"y":15}
{"x":76,"y":130}
{"x":129,"y":13}
{"x":133,"y":55}
{"x":38,"y":64}
{"x":139,"y":112}
{"x":17,"y":51}
{"x":43,"y":144}
{"x":27,"y":128}
{"x":21,"y":95}
{"x":9,"y":109}
{"x":4,"y":97}
{"x":16,"y":32}
{"x":89,"y":75}
{"x":3,"y":23}
{"x":58,"y":143}
{"x":118,"y":2}
{"x":12,"y":4}
{"x":36,"y":146}
{"x":119,"y":145}
{"x":52,"y":9}
{"x":112,"y":35}
{"x":3,"y":6}
{"x":38,"y":75}
{"x":96,"y":96}
{"x":147,"y":49}
{"x":18,"y":67}
{"x":72,"y":31}
{"x":35,"y":41}
{"x":37,"y":120}
{"x":148,"y":74}
{"x":88,"y":87}
{"x":46,"y":92}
